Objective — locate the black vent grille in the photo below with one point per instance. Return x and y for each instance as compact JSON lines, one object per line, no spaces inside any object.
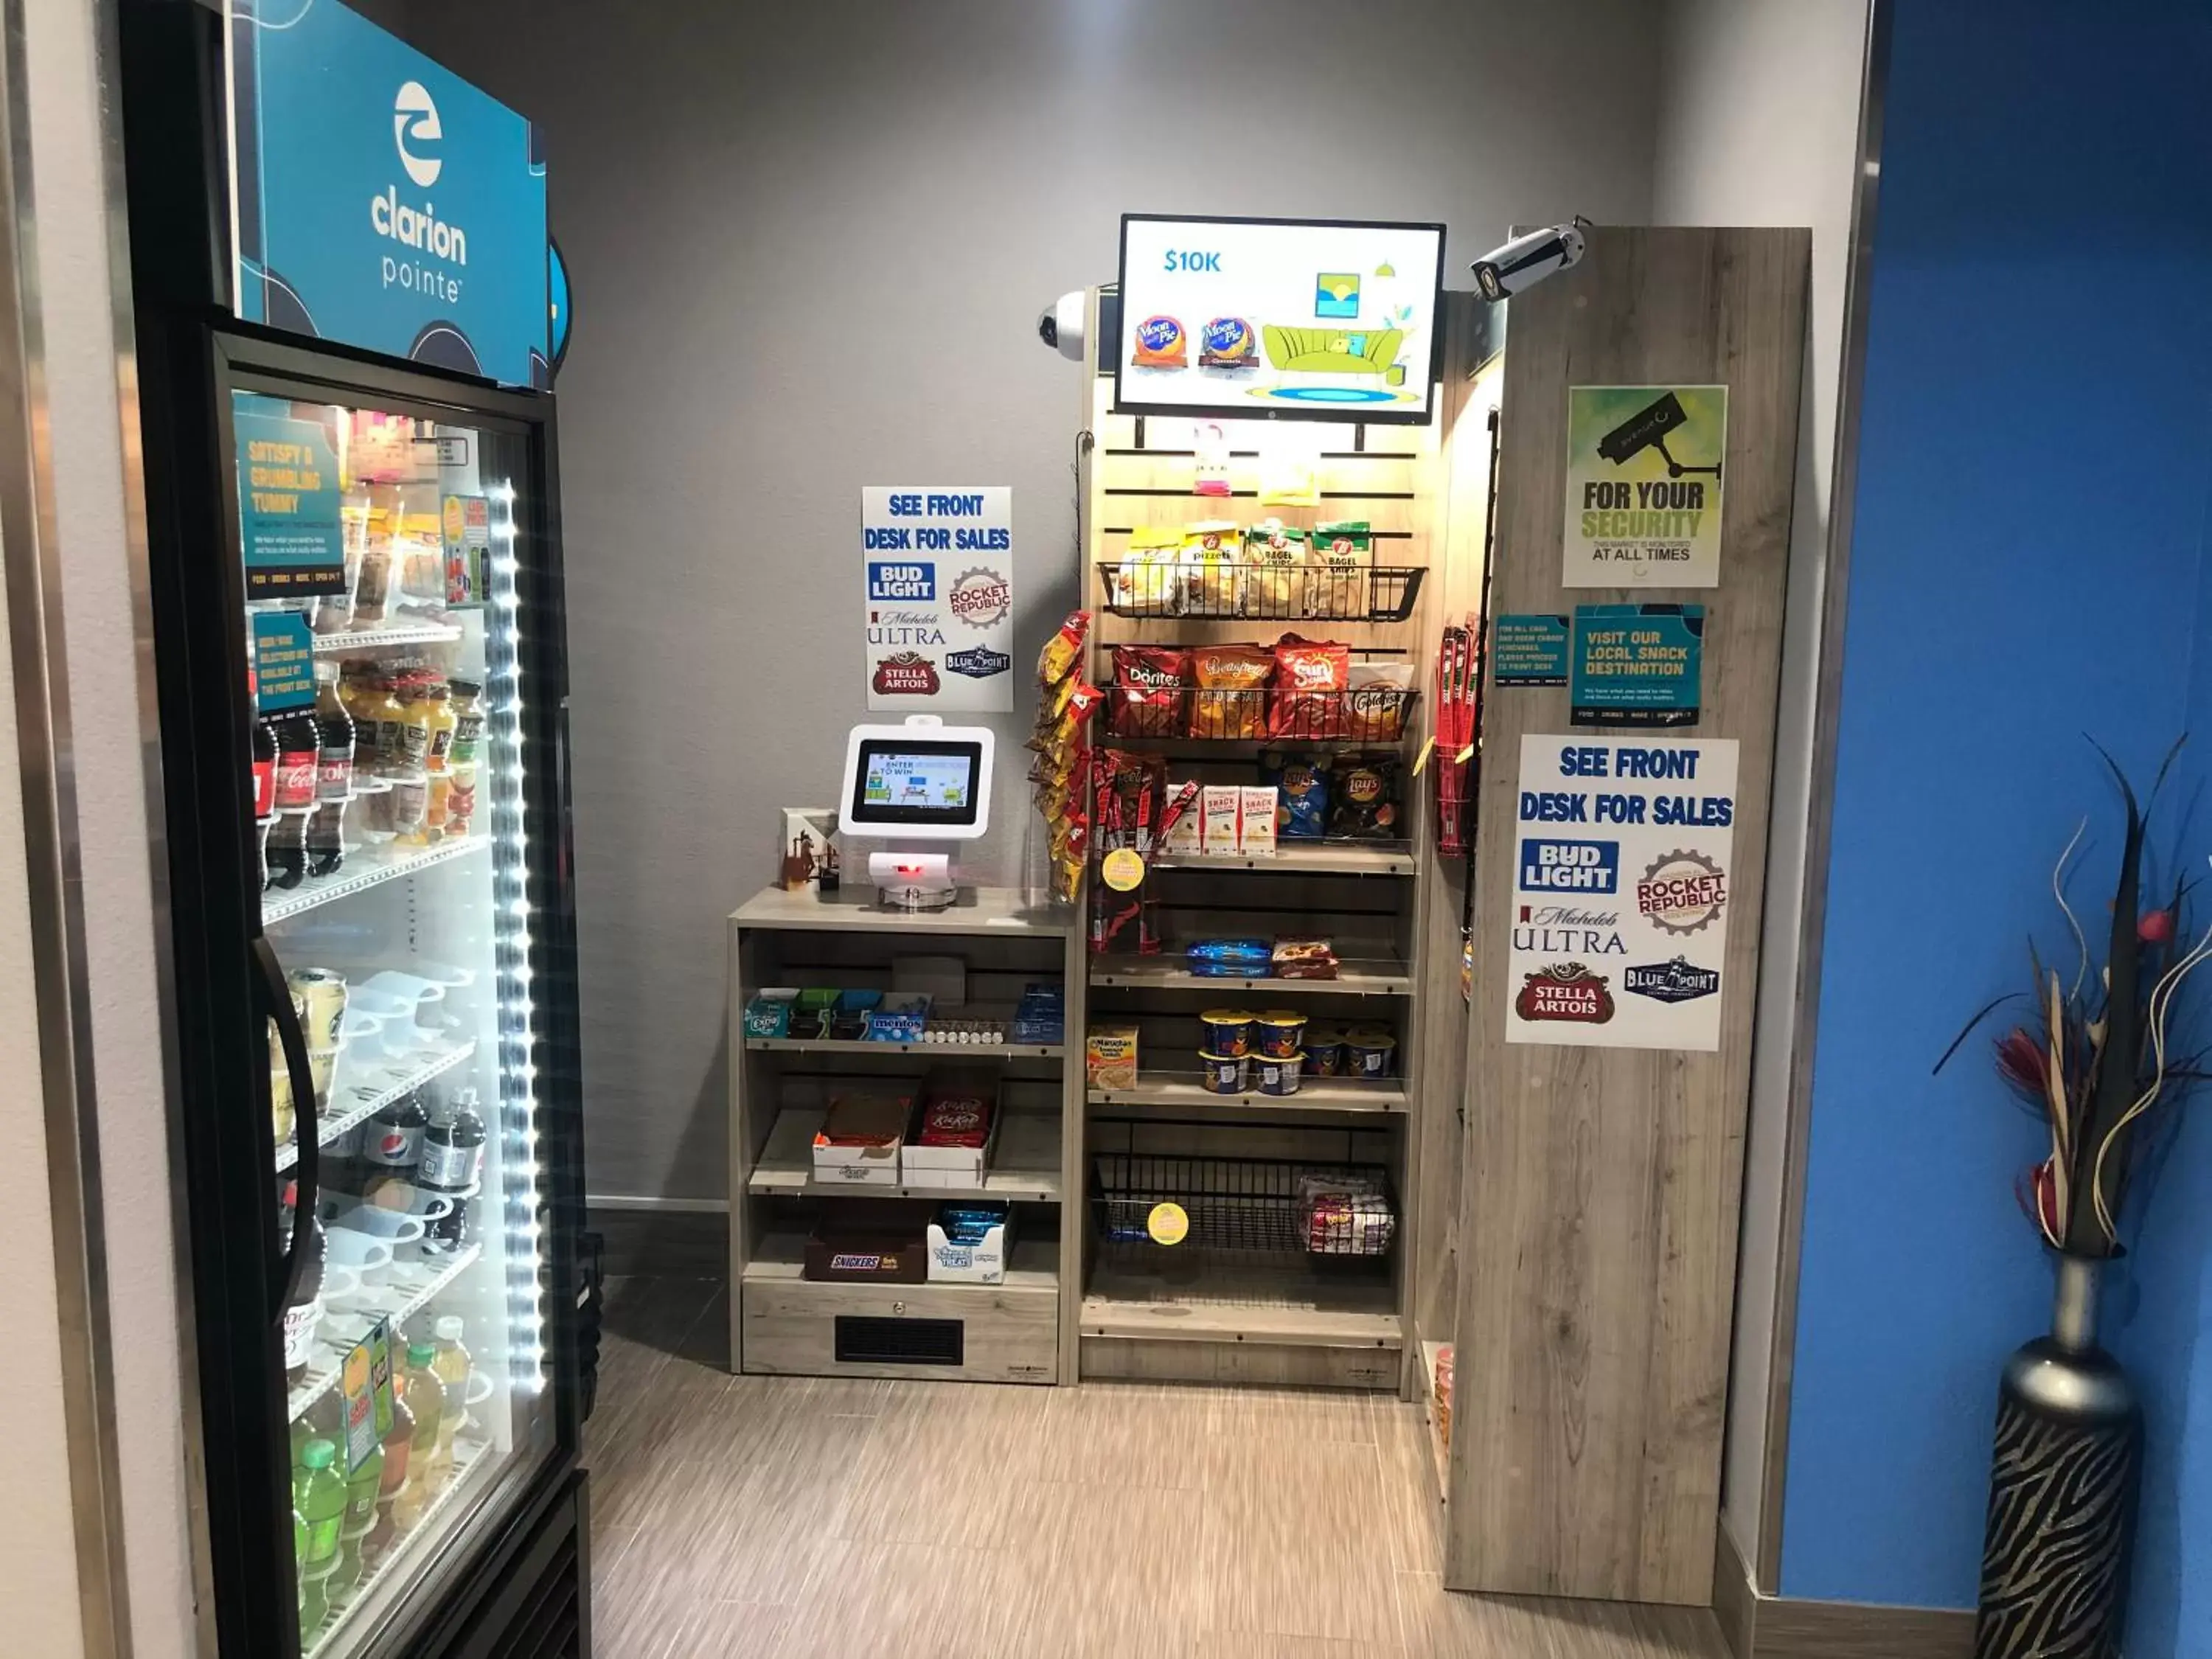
{"x":550,"y":1624}
{"x":900,"y":1342}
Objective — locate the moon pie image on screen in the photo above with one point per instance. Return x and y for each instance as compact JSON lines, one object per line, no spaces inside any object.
{"x":1305,"y":320}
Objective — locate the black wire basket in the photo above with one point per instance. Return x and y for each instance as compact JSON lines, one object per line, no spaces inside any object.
{"x":1246,"y":590}
{"x":1260,"y":1205}
{"x":1366,"y":714}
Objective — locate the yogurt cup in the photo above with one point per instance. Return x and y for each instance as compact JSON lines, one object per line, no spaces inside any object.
{"x":1278,"y":1074}
{"x":1282,"y":1033}
{"x":1227,"y":1032}
{"x":1369,"y":1055}
{"x":1224,"y":1074}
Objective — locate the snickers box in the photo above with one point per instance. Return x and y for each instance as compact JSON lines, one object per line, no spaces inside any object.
{"x":869,"y":1243}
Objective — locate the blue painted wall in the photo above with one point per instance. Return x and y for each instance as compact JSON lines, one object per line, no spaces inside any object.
{"x":2034,"y":455}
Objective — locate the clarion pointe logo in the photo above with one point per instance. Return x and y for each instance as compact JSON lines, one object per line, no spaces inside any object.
{"x":415,"y":116}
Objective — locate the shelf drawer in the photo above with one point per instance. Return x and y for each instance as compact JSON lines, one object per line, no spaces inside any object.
{"x":964,"y":1333}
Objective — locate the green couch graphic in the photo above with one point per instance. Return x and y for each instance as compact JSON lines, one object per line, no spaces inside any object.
{"x":1334,"y":351}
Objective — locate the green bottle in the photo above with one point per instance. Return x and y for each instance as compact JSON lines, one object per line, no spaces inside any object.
{"x":319,"y":1494}
{"x":300,"y":1551}
{"x":362,"y":1486}
{"x":314,"y":1608}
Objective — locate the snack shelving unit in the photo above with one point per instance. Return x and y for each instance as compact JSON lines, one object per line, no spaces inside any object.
{"x":1198,"y":1310}
{"x":1021,"y":1330}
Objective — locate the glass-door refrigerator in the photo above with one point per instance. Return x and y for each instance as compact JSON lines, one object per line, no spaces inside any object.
{"x":370,"y":920}
{"x":357,"y":636}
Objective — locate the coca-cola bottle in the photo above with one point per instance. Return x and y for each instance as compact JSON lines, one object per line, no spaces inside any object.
{"x":265,"y":755}
{"x":335,"y":739}
{"x":303,"y":1309}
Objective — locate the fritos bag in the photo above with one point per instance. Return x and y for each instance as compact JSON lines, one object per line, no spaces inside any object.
{"x":1231,"y":700}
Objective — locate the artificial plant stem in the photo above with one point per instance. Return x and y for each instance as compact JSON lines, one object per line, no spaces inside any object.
{"x":2074,"y":1306}
{"x":2118,"y":1081}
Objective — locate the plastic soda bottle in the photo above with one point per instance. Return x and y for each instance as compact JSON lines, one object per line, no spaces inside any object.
{"x":397,"y":1445}
{"x":319,"y":1494}
{"x":425,"y":1393}
{"x":362,"y":1488}
{"x":450,"y":1360}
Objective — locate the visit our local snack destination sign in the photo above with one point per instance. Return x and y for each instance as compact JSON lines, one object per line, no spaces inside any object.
{"x":938,"y":581}
{"x":1624,"y":864}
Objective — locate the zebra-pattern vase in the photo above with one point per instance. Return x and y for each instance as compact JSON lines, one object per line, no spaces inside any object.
{"x":2062,"y":1506}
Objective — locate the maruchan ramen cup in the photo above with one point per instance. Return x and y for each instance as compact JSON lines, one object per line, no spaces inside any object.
{"x":1278,"y":1074}
{"x":1369,"y":1055}
{"x":1227,"y":1032}
{"x":1222,"y":1074}
{"x":1281,"y":1033}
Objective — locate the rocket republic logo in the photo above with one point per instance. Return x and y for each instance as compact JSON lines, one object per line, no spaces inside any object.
{"x":1564,"y":991}
{"x":907,"y":674}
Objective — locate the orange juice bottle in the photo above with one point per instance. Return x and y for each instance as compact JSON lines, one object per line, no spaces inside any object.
{"x":443,"y":721}
{"x":390,"y":713}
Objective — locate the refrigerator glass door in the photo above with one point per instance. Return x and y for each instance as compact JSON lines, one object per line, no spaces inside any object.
{"x":382,"y":625}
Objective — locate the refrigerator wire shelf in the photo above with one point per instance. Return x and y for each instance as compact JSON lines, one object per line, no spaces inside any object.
{"x":360,"y":876}
{"x":365,"y":1096}
{"x":384,"y":637}
{"x":406,"y":1300}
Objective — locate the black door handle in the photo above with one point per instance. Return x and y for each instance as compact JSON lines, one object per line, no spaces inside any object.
{"x":306,"y":1129}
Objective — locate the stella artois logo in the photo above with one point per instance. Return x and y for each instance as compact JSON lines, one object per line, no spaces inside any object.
{"x":908,"y":673}
{"x":1567,"y":991}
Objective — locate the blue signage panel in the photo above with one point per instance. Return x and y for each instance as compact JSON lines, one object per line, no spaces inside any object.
{"x":381,"y":200}
{"x":284,"y":661}
{"x":1530,"y":651}
{"x":1636,"y":664}
{"x":287,"y":506}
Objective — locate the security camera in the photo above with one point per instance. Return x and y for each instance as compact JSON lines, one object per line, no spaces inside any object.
{"x":1528,"y":258}
{"x":1060,"y":325}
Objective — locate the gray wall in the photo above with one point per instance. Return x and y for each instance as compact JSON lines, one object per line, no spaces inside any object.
{"x":1759,"y":125}
{"x":808,"y":245}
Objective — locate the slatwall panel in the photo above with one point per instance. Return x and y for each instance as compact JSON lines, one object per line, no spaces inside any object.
{"x":1141,"y":474}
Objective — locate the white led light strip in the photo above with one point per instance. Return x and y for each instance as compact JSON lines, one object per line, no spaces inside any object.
{"x":512,"y":947}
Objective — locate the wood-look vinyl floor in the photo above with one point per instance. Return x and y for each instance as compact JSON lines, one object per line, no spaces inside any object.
{"x":755,"y":1517}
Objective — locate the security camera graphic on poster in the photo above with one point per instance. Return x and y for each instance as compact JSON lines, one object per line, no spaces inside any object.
{"x":1644,"y":498}
{"x":1647,"y":429}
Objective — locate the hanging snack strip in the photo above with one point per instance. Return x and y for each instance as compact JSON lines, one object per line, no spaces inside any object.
{"x":1060,"y":742}
{"x":1455,"y":736}
{"x":1126,"y":794}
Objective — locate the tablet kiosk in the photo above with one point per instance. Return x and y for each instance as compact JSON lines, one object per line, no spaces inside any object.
{"x":914,"y":787}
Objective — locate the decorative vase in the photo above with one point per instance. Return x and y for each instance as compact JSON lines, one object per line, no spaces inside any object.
{"x":2061,"y":1490}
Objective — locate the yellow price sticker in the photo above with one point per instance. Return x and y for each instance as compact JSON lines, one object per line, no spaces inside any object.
{"x":1428,"y":746}
{"x":1168,"y":1223}
{"x":1123,"y":869}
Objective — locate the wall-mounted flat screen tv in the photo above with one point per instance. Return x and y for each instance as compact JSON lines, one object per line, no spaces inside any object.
{"x":1305,"y":320}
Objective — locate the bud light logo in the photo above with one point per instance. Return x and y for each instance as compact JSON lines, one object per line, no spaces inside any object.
{"x":1570,"y":866}
{"x":895,"y":582}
